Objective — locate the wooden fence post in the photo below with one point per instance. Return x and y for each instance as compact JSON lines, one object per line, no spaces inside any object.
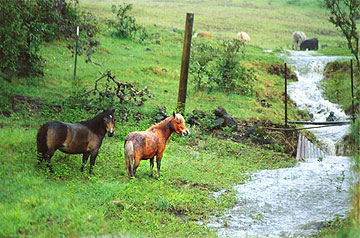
{"x":286,"y":111}
{"x":185,"y":63}
{"x":352,"y":91}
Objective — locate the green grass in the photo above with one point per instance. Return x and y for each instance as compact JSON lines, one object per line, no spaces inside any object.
{"x":72,"y":204}
{"x":337,"y":85}
{"x":269,"y":23}
{"x":69,"y":203}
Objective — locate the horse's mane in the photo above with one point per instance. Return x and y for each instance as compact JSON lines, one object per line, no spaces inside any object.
{"x":96,"y":124}
{"x":161,"y":124}
{"x":164,"y":123}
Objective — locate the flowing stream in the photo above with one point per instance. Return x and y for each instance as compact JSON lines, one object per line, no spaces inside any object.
{"x":296,"y":202}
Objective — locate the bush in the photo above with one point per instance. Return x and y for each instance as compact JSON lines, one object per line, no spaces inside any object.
{"x":201,"y":56}
{"x":27,"y":23}
{"x":218,"y":67}
{"x":20,"y":37}
{"x":125,"y":26}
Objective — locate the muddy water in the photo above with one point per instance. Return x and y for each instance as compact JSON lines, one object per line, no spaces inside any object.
{"x":296,"y":202}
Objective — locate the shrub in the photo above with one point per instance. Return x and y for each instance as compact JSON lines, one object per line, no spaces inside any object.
{"x":202,"y":54}
{"x":20,"y":37}
{"x":25,"y":24}
{"x":125,"y":26}
{"x":219,"y":67}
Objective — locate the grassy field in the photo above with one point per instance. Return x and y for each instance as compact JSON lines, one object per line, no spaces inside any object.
{"x":269,"y":23}
{"x":179,"y":204}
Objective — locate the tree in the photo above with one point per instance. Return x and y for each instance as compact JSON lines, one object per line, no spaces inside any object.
{"x":344,"y":14}
{"x":58,"y":6}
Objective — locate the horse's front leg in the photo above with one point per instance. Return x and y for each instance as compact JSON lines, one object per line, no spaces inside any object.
{"x":158,"y":163}
{"x":84,"y":160}
{"x":93,"y":155}
{"x":151,"y":167}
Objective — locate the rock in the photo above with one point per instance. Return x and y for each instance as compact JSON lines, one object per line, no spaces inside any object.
{"x":220,"y":112}
{"x":199,"y":113}
{"x":225,"y":118}
{"x":251,"y":131}
{"x":160,"y":113}
{"x":193,"y":118}
{"x":264,"y":103}
{"x":230,"y":121}
{"x":331,"y":117}
{"x":160,"y":118}
{"x":218,"y":122}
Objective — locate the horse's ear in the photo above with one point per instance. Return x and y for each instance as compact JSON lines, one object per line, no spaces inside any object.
{"x":174,"y":114}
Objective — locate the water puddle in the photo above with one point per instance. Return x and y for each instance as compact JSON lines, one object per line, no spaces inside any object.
{"x":296,"y":202}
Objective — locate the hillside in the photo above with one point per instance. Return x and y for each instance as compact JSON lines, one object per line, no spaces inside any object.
{"x":179,"y":204}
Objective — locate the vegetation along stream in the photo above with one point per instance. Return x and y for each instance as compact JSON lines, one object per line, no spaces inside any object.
{"x":296,"y":202}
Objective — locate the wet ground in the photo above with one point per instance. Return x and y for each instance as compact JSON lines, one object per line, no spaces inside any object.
{"x":298,"y":201}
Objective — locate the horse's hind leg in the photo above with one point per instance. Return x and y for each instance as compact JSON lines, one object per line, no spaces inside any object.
{"x":151,"y":167}
{"x":48,"y":156}
{"x":84,"y":161}
{"x":136,"y":164}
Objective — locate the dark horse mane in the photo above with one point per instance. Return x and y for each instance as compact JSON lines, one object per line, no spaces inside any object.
{"x":96,"y":124}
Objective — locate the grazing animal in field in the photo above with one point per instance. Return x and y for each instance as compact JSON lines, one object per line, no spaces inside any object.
{"x":244,"y":37}
{"x":311,"y":44}
{"x":143,"y":145}
{"x":202,"y":34}
{"x":298,"y":37}
{"x":81,"y":138}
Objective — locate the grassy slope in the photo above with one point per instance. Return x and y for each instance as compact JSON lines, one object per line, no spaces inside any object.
{"x":269,"y":23}
{"x":73,"y":204}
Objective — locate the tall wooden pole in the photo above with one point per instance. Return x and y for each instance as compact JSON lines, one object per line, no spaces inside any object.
{"x":185,"y":63}
{"x":352,"y":91}
{"x":286,"y":112}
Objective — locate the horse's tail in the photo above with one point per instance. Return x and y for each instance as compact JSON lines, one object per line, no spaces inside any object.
{"x":129,"y":158}
{"x":41,"y":141}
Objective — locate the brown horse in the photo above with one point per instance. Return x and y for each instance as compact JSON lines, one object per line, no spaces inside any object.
{"x":142,"y":145}
{"x":81,"y":138}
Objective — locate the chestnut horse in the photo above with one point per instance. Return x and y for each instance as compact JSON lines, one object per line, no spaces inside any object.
{"x":142,"y":145}
{"x":81,"y":138}
{"x":202,"y":34}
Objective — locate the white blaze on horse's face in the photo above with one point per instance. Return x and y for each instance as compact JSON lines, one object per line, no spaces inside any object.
{"x":110,"y":124}
{"x":179,"y":125}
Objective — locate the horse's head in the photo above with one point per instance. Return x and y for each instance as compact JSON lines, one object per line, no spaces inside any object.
{"x":178,"y":123}
{"x":109,"y":121}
